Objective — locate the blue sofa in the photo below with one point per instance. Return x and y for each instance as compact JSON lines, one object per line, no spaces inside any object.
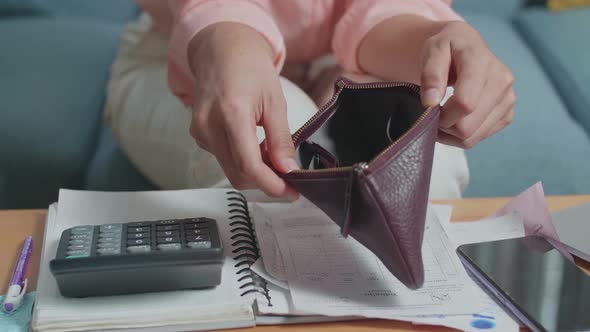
{"x":54,"y":62}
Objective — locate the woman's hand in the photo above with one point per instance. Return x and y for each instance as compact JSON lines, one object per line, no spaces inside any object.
{"x":483,"y":101}
{"x":440,"y":54}
{"x":238,"y":89}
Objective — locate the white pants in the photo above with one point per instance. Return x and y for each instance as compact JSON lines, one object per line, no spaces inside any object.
{"x":152,"y":126}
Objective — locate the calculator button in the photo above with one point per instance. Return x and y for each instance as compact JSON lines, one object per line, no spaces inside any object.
{"x":80,"y":241}
{"x":138,"y":235}
{"x":197,"y":231}
{"x":82,"y":230}
{"x":109,"y":239}
{"x":197,"y":221}
{"x":108,"y":251}
{"x":79,"y":246}
{"x":109,"y":245}
{"x":167,"y":228}
{"x":111,"y":228}
{"x":136,"y":242}
{"x":138,"y":229}
{"x":170,"y":239}
{"x":78,"y":252}
{"x":169,"y":246}
{"x":81,"y":237}
{"x":199,"y":244}
{"x":195,"y":226}
{"x":78,"y":256}
{"x":138,"y":224}
{"x":142,"y":248}
{"x":168,"y":222}
{"x":204,"y":237}
{"x":167,"y":233}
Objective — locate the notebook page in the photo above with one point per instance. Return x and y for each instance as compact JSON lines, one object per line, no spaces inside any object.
{"x":83,"y":207}
{"x":330,"y":275}
{"x":269,"y":249}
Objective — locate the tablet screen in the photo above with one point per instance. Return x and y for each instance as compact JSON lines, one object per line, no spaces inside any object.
{"x":536,"y":278}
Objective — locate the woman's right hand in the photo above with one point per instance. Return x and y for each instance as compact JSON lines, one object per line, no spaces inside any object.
{"x":237,"y":89}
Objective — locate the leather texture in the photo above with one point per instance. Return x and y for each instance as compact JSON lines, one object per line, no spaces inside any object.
{"x":383,"y":203}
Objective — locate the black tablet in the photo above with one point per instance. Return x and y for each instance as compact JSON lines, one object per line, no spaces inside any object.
{"x":533,"y":281}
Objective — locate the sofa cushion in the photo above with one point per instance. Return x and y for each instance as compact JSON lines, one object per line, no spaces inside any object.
{"x":52,"y":89}
{"x":105,"y":10}
{"x":561,"y":42}
{"x":111,"y":170}
{"x":543,"y":143}
{"x":497,"y":8}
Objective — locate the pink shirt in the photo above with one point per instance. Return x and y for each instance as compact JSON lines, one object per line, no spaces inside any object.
{"x":297,"y":30}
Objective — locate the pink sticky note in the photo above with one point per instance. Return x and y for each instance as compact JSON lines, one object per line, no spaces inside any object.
{"x":532,"y":207}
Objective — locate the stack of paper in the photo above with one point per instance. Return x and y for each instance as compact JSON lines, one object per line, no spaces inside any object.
{"x":317,"y":271}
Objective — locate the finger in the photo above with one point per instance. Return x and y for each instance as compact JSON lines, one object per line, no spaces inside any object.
{"x":436,"y":62}
{"x":471,"y":68}
{"x":503,"y":123}
{"x":225,"y":159}
{"x":500,"y":116}
{"x":449,"y":139}
{"x":241,"y":134}
{"x":278,"y":136}
{"x":199,"y":127}
{"x":468,"y":125}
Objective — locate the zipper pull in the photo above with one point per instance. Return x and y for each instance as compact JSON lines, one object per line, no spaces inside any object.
{"x":360,"y":167}
{"x":357,"y":169}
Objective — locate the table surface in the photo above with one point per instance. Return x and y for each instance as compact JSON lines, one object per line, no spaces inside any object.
{"x":17,"y":224}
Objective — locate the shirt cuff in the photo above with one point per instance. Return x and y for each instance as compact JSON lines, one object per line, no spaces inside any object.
{"x":363,"y":16}
{"x":192,"y":20}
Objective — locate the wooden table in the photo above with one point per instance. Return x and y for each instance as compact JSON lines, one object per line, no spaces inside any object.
{"x":16,"y":224}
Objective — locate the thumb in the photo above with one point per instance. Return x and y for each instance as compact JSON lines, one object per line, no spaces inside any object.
{"x":435,"y":66}
{"x":278,"y":137}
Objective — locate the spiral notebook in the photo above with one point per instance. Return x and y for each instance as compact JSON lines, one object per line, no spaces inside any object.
{"x":229,"y":305}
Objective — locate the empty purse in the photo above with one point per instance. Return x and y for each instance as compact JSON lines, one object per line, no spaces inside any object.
{"x":366,"y":160}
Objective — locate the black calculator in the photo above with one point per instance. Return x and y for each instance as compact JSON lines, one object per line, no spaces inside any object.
{"x":138,"y":257}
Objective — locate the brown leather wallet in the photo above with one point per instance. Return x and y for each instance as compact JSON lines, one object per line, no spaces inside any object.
{"x":366,"y":159}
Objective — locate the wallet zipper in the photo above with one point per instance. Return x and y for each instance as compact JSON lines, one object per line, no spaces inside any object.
{"x":361,"y":166}
{"x":357,"y":170}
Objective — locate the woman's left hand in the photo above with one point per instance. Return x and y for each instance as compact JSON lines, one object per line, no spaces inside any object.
{"x":483,"y":101}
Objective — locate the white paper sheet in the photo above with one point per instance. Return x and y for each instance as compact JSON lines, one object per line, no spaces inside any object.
{"x":269,"y":250}
{"x":260,"y":270}
{"x":330,"y":275}
{"x":508,"y":226}
{"x":487,"y":314}
{"x":573,"y":228}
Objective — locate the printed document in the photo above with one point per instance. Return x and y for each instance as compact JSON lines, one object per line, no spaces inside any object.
{"x":330,"y":275}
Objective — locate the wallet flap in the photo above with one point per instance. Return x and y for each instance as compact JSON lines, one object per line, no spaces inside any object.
{"x":399,"y":191}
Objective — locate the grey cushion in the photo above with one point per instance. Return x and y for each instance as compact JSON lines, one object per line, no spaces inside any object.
{"x":543,"y":143}
{"x":52,"y":88}
{"x":562,"y":43}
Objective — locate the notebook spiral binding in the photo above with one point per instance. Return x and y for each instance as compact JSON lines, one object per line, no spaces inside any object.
{"x":245,"y":246}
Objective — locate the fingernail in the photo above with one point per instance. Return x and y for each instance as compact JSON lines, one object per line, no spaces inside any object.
{"x":288,"y":165}
{"x":291,"y":195}
{"x":431,"y":97}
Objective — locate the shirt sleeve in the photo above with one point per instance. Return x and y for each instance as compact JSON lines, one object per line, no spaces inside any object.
{"x":192,"y":16}
{"x":361,"y":16}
